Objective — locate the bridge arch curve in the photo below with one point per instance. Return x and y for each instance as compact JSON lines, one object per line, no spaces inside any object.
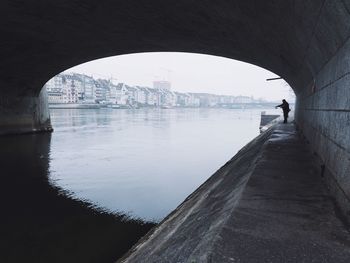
{"x":305,"y":42}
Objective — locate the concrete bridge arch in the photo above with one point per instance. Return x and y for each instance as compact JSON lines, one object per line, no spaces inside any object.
{"x":305,"y":42}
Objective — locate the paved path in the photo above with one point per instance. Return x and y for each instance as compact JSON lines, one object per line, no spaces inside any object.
{"x":268,"y":204}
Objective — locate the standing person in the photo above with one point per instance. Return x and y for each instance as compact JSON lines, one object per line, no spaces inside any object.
{"x":285,"y":108}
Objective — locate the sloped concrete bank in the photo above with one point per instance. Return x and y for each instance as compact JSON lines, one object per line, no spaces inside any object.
{"x":267,"y":204}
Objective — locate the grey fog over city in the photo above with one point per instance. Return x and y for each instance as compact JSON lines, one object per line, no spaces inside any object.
{"x":189,"y":72}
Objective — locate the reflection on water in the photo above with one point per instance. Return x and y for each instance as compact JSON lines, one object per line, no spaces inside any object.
{"x":144,"y":162}
{"x":37,"y":224}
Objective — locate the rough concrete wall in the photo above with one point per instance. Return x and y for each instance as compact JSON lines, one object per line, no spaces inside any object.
{"x":324,"y":117}
{"x":24,"y":114}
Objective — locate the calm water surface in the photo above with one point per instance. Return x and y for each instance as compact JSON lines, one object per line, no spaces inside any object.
{"x":144,"y":162}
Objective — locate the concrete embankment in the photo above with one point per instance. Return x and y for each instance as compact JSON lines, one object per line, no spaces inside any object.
{"x":267,"y":204}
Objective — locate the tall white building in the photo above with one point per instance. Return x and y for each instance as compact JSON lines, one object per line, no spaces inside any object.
{"x":141,"y":95}
{"x":89,"y":89}
{"x":122,"y":95}
{"x":69,"y":91}
{"x":162,"y":84}
{"x":54,"y":90}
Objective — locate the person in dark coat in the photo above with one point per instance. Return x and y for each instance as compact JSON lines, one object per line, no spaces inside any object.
{"x":285,"y":108}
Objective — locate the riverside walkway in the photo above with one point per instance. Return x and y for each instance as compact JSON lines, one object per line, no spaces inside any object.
{"x":267,"y":204}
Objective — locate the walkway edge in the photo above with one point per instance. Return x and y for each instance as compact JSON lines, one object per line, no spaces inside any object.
{"x":202,"y":214}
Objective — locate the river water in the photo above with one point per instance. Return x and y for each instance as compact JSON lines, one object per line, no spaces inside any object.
{"x":143,"y":162}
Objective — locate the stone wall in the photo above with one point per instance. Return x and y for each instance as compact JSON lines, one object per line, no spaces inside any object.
{"x":324,"y":117}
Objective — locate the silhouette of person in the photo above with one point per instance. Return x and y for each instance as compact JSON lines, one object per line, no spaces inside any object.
{"x":285,"y":108}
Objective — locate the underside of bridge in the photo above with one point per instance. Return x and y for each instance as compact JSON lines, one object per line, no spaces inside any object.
{"x":304,"y":41}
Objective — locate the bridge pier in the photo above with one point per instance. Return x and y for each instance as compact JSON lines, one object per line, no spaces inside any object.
{"x":24,"y":114}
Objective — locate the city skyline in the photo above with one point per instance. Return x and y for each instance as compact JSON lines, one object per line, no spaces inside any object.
{"x":189,"y":72}
{"x":79,"y":90}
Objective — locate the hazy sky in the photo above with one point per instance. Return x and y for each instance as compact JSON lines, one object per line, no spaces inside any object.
{"x":188,"y":72}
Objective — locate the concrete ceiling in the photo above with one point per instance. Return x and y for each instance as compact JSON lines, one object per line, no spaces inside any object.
{"x":293,"y":38}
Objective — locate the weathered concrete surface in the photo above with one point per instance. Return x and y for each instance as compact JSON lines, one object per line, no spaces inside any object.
{"x":268,"y":204}
{"x":24,"y":114}
{"x":268,"y":120}
{"x":324,"y":117}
